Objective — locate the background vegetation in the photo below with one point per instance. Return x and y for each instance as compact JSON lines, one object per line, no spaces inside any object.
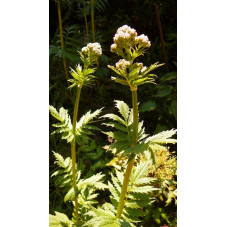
{"x":157,"y":103}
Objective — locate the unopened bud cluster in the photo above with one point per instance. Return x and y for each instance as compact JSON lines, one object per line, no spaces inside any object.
{"x":92,"y":49}
{"x":127,"y":36}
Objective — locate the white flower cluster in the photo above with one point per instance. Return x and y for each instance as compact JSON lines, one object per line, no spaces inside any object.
{"x":143,"y":40}
{"x":92,"y":49}
{"x":127,"y":36}
{"x":127,"y":29}
{"x":122,"y":64}
{"x":124,"y":33}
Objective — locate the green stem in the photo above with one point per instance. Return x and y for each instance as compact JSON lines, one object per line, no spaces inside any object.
{"x":62,"y":46}
{"x":62,"y":42}
{"x":135,"y":116}
{"x":93,"y":19}
{"x":85,"y":18}
{"x":131,"y":163}
{"x":73,"y":150}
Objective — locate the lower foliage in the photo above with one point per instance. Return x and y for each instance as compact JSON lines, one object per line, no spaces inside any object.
{"x":144,"y":189}
{"x":152,"y":179}
{"x":139,"y":196}
{"x":86,"y":188}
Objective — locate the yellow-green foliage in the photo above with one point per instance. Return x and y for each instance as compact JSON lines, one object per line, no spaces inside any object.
{"x":164,"y":171}
{"x":166,"y":165}
{"x":138,"y":197}
{"x":83,"y":127}
{"x":86,"y":188}
{"x":59,"y":220}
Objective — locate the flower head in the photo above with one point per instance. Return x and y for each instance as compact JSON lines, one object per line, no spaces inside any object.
{"x":92,"y":49}
{"x":124,"y":34}
{"x":126,"y":41}
{"x":130,"y":46}
{"x":90,"y":53}
{"x":127,"y":30}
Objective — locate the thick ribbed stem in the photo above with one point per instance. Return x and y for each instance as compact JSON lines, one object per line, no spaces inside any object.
{"x":130,"y":164}
{"x":73,"y":150}
{"x":93,"y":19}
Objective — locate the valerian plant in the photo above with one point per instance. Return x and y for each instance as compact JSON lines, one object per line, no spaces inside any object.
{"x":76,"y":133}
{"x":130,"y":139}
{"x":137,"y":181}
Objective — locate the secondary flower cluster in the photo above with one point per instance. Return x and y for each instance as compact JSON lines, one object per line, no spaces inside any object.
{"x":92,"y":49}
{"x":127,"y":37}
{"x":83,"y":75}
{"x":143,"y":41}
{"x":122,"y":64}
{"x":90,"y":53}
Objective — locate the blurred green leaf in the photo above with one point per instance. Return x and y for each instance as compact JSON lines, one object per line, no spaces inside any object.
{"x":92,"y":156}
{"x":174,"y":108}
{"x":100,"y":151}
{"x":160,"y":128}
{"x":163,"y":90}
{"x":148,"y":106}
{"x":169,"y":76}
